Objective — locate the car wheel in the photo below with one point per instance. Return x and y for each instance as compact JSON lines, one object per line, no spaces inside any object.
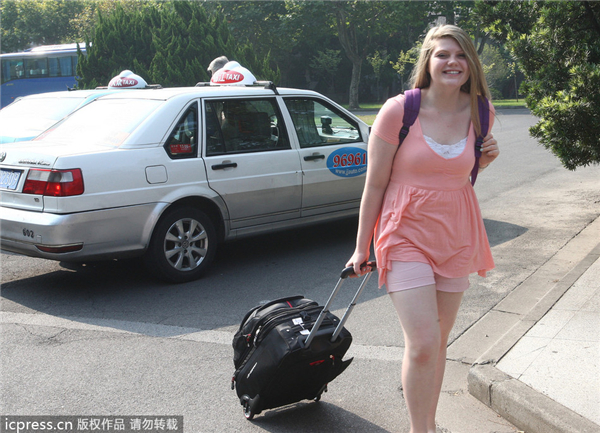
{"x":183,"y":245}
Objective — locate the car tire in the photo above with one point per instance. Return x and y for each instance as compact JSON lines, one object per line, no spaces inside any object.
{"x":183,"y":245}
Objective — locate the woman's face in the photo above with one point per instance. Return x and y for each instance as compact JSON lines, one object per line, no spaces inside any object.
{"x":448,"y":64}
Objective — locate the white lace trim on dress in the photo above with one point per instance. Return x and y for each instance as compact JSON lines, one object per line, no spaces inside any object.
{"x":446,"y":151}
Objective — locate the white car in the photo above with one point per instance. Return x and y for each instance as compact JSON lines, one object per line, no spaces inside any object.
{"x":168,"y":174}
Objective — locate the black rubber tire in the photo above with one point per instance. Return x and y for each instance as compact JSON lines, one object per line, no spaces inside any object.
{"x":248,"y":413}
{"x":183,"y":245}
{"x":318,"y":397}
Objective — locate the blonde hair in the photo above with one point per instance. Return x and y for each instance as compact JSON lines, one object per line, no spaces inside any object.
{"x":475,"y":86}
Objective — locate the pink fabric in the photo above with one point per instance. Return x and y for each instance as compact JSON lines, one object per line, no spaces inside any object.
{"x":430,"y":212}
{"x":412,"y":275}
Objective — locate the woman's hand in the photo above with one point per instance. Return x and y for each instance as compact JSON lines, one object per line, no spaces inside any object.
{"x":489,"y":151}
{"x":356,"y":260}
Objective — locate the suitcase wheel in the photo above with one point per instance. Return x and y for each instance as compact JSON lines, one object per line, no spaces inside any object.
{"x":249,"y":406}
{"x":318,"y":397}
{"x":248,"y":411}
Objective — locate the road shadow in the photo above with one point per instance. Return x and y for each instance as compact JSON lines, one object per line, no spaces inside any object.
{"x":309,"y":417}
{"x":500,"y":232}
{"x":302,"y":261}
{"x":121,"y":294}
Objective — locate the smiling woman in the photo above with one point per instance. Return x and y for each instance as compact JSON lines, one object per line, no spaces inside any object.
{"x":421,"y":212}
{"x":449,"y":62}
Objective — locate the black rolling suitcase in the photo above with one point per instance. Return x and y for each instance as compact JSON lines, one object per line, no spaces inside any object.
{"x":289,"y":349}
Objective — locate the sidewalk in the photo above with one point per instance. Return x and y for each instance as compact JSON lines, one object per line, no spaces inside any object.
{"x":543,"y":374}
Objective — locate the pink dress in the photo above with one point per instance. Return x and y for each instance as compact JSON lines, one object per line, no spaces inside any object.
{"x":430,"y":212}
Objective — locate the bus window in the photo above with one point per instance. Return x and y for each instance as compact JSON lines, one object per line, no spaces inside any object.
{"x":62,"y":66}
{"x":12,"y":70}
{"x":36,"y":68}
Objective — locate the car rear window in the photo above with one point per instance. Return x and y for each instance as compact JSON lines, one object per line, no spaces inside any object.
{"x":102,"y":122}
{"x":32,"y":116}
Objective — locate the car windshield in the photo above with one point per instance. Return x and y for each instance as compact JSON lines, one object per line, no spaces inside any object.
{"x":102,"y":122}
{"x":29,"y":117}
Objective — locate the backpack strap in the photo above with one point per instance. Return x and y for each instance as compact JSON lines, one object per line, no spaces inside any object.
{"x":412,"y":104}
{"x":484,"y":122}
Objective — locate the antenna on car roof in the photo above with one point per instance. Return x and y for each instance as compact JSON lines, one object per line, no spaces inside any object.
{"x":148,"y":86}
{"x":266,"y":84}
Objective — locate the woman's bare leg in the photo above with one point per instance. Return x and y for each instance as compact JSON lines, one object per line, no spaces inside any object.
{"x":448,"y":305}
{"x":418,"y":313}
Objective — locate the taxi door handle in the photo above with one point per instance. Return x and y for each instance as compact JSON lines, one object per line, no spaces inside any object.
{"x":224,"y":165}
{"x":314,"y":157}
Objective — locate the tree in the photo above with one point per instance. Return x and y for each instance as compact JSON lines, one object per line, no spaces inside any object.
{"x":496,"y":68}
{"x":27,"y":23}
{"x":557,"y":46}
{"x":405,"y":59}
{"x":293,"y":31}
{"x":327,"y":62}
{"x":123,"y":39}
{"x":168,"y":43}
{"x":361,"y":26}
{"x":288,"y":32}
{"x":378,"y":61}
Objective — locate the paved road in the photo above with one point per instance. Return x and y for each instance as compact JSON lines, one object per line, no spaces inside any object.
{"x":109,"y":340}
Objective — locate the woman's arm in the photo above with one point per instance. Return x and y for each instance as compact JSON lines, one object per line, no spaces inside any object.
{"x":380,"y":158}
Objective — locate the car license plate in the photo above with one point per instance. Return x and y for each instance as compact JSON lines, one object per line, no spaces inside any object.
{"x":9,"y":179}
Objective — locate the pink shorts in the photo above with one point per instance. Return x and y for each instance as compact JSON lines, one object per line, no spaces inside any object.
{"x":410,"y":275}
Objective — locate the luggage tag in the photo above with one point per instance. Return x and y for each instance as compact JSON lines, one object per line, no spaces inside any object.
{"x":299,"y":322}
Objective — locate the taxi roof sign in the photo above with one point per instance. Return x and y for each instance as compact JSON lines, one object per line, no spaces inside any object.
{"x":127,"y":80}
{"x":232,"y":74}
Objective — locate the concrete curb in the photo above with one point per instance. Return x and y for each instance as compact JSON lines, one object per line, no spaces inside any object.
{"x":518,"y":403}
{"x":523,"y":406}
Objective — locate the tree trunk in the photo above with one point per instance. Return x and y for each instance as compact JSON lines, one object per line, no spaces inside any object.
{"x":347,"y":38}
{"x":353,"y":95}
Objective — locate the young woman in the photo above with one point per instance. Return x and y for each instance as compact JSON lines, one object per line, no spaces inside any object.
{"x":419,"y":206}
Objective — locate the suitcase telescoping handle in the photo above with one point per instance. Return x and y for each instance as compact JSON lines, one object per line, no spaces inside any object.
{"x":347,"y":272}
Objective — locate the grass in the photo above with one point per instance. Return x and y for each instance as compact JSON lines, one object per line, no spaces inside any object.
{"x":509,"y":103}
{"x":500,"y":103}
{"x":369,"y":119}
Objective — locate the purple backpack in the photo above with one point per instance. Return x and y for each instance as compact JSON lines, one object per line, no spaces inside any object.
{"x":412,"y":105}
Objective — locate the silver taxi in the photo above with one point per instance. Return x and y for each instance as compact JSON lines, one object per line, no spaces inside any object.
{"x":168,"y":174}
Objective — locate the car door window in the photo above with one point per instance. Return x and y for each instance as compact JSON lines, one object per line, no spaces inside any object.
{"x":320,"y":124}
{"x":244,"y":125}
{"x":183,"y":140}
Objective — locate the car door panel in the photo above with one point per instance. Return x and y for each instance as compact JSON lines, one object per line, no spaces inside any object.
{"x":250,"y":163}
{"x":332,"y":154}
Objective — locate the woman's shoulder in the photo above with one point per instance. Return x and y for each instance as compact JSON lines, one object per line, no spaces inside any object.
{"x":394,"y":105}
{"x":388,"y":122}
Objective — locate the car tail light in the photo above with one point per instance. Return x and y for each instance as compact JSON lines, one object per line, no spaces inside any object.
{"x":54,"y":183}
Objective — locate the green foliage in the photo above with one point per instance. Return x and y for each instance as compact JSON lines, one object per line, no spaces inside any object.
{"x":168,"y":43}
{"x":496,"y":68}
{"x":327,"y":63}
{"x":557,"y":45}
{"x":406,"y":59}
{"x":38,"y":22}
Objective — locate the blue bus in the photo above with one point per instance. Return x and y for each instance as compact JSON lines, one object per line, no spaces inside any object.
{"x":41,"y":69}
